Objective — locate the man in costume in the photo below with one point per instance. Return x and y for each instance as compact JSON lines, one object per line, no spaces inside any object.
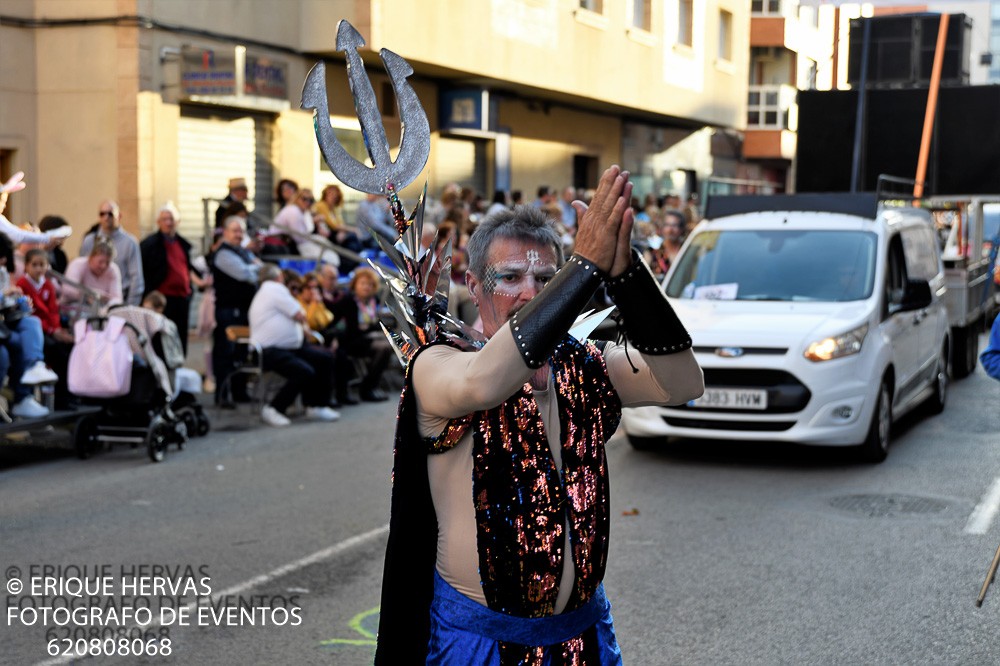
{"x":500,"y":509}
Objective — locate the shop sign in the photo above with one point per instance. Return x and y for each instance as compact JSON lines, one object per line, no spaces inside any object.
{"x":467,"y":108}
{"x":208,"y":71}
{"x":231,"y":72}
{"x":266,"y":77}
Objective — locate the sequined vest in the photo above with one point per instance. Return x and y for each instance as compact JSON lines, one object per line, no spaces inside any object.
{"x":524,"y":503}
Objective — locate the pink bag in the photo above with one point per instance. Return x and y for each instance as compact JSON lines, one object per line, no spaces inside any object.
{"x":100,"y":365}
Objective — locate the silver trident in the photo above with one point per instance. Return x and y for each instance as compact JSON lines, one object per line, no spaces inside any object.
{"x":418,"y":294}
{"x":415,"y":142}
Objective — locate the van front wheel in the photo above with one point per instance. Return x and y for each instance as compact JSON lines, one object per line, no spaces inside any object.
{"x":875,"y":448}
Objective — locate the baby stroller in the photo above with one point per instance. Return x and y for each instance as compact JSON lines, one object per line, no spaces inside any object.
{"x":121,"y":363}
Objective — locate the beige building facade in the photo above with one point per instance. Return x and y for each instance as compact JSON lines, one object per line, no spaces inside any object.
{"x":145,"y":101}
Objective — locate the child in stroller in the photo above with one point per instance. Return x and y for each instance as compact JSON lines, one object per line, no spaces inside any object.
{"x":139,"y":403}
{"x":186,"y":382}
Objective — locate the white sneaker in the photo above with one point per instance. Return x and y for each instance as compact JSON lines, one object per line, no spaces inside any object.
{"x":273,"y":417}
{"x":322,"y":413}
{"x":29,"y":408}
{"x":38,"y":374}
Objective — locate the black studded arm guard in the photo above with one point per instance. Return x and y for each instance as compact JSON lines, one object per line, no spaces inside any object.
{"x":650,"y":323}
{"x":542,"y":323}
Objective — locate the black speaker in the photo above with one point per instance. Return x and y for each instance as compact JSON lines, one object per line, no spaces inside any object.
{"x":901,"y":50}
{"x":963,"y":157}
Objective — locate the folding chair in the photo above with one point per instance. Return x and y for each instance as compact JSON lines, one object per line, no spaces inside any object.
{"x":249,"y":362}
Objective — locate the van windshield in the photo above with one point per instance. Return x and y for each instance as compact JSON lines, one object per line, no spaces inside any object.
{"x":776,"y":266}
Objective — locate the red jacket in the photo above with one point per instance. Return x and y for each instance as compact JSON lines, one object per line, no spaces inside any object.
{"x":45,"y":302}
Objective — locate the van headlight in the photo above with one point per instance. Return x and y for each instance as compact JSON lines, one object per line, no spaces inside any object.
{"x":837,"y":346}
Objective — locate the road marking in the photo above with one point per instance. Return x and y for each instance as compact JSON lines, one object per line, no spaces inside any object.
{"x":318,"y":556}
{"x":984,"y":513}
{"x":357,"y":624}
{"x":283,"y":570}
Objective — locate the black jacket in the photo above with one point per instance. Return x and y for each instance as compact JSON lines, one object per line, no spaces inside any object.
{"x":154,"y":259}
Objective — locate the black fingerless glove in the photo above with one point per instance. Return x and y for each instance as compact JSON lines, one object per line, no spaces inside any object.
{"x":542,"y":323}
{"x":650,"y":323}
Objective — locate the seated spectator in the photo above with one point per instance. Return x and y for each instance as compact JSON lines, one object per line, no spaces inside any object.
{"x":328,"y":211}
{"x":284,"y":192}
{"x":320,"y":319}
{"x":296,"y":220}
{"x":373,"y":214}
{"x":94,"y":280}
{"x":237,"y":194}
{"x":292,"y":280}
{"x":58,"y":341}
{"x":42,"y":292}
{"x":328,"y":214}
{"x":155,"y":301}
{"x":329,"y":284}
{"x":276,"y":324}
{"x":318,"y":316}
{"x":57,"y":258}
{"x":234,"y":276}
{"x":362,"y":336}
{"x":25,"y":342}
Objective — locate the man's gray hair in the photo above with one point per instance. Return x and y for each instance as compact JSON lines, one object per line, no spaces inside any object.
{"x":523,"y":223}
{"x":234,"y":219}
{"x":169,"y":207}
{"x":269,"y":273}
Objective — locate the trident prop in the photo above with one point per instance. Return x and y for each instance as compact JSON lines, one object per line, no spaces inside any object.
{"x":418,"y":297}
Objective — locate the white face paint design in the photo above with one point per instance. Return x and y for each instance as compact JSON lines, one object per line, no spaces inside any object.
{"x":516,"y":272}
{"x":511,"y":277}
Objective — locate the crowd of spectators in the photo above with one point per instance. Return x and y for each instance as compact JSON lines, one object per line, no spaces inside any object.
{"x":320,"y":329}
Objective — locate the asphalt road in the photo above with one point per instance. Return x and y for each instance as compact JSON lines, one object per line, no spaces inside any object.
{"x":723,"y":553}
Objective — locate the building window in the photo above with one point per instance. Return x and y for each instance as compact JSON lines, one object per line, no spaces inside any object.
{"x":596,"y":6}
{"x":725,"y":35}
{"x":765,"y":6}
{"x":642,"y":15}
{"x":766,"y":109}
{"x":685,"y":22}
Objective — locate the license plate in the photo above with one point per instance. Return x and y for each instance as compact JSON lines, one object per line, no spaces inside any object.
{"x":716,"y":398}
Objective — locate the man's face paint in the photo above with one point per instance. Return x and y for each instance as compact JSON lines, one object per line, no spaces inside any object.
{"x":515,"y":273}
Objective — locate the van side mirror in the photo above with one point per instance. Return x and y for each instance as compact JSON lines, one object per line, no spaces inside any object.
{"x":916,"y":295}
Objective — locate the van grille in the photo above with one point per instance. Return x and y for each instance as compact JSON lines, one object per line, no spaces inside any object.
{"x":752,"y":426}
{"x":747,"y":351}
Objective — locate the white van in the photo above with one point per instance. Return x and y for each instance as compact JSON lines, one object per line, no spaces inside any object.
{"x":819,"y":320}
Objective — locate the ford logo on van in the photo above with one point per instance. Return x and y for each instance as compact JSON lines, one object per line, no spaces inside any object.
{"x":729,"y":352}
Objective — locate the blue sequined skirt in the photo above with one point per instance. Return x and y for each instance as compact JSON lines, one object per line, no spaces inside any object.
{"x":464,"y":632}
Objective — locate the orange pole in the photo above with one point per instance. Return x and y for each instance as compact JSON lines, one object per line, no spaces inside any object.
{"x":932,"y":95}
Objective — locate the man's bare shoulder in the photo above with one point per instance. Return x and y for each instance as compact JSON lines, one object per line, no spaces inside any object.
{"x":433,"y":355}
